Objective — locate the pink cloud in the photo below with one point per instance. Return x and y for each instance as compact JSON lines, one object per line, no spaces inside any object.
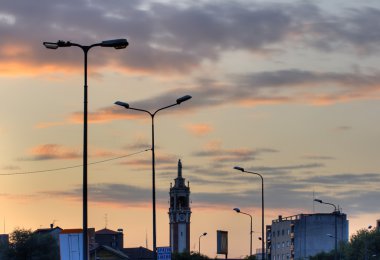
{"x":54,"y":151}
{"x":199,"y":129}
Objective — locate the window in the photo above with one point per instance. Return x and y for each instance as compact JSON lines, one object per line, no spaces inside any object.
{"x":283,"y":244}
{"x":288,"y":231}
{"x":283,"y":232}
{"x":274,"y":233}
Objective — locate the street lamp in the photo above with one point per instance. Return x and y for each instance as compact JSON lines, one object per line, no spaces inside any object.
{"x":366,"y":242}
{"x":117,"y":44}
{"x":199,"y":248}
{"x":126,"y":106}
{"x":250,"y":244}
{"x":262,"y":206}
{"x":336,"y":226}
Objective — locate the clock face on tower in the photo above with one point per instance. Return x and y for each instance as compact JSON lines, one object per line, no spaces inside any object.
{"x":182,"y":217}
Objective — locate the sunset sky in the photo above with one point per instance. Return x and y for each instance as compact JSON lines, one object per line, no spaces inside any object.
{"x":289,"y":89}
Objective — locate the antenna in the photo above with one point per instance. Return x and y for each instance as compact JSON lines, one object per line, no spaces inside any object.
{"x":146,"y":239}
{"x":313,"y":201}
{"x":105,"y":220}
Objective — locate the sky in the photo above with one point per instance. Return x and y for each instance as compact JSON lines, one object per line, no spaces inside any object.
{"x":288,"y":89}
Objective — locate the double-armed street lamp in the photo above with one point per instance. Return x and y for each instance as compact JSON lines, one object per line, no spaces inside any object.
{"x":250,"y":241}
{"x":117,"y":44}
{"x":336,"y":226}
{"x":199,"y":242}
{"x":262,"y":206}
{"x":126,"y":106}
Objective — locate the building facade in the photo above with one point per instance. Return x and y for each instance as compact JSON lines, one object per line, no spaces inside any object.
{"x":179,"y":214}
{"x":304,"y":235}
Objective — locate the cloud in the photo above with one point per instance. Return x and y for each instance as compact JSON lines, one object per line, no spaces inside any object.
{"x":10,"y":167}
{"x":53,"y":151}
{"x":171,"y":38}
{"x":344,"y":128}
{"x":318,"y":157}
{"x":58,"y":152}
{"x":216,"y":153}
{"x":252,"y":89}
{"x":199,"y":129}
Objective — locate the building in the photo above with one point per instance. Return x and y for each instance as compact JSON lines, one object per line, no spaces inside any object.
{"x":110,"y":238}
{"x":138,"y":253}
{"x":4,"y":240}
{"x":179,"y":214}
{"x":52,"y":231}
{"x":304,"y":235}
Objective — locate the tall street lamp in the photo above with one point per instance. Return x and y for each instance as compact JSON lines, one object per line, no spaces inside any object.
{"x":126,"y":106}
{"x":262,"y":207}
{"x":199,"y":241}
{"x":336,"y":226}
{"x":250,"y":243}
{"x":117,"y":44}
{"x":366,"y":242}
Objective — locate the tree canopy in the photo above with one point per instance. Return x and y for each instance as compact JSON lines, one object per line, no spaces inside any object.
{"x":363,"y":245}
{"x":26,"y":245}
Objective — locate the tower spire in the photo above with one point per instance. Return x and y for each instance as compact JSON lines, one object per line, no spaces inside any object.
{"x":179,"y":168}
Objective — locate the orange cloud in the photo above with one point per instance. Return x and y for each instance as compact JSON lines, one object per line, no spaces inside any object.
{"x":54,"y":151}
{"x":199,"y":129}
{"x":102,"y":116}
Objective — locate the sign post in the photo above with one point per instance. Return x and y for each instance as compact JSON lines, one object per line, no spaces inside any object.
{"x":164,"y":253}
{"x":222,"y":242}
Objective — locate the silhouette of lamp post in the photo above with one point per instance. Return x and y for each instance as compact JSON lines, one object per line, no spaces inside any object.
{"x":262,"y":206}
{"x":366,"y":242}
{"x":250,"y":243}
{"x":336,"y":226}
{"x":199,"y":241}
{"x":117,"y":44}
{"x":126,"y":106}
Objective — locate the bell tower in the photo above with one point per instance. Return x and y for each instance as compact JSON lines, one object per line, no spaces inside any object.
{"x":179,"y":214}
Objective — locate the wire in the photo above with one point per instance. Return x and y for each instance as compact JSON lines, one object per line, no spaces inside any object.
{"x":75,"y":166}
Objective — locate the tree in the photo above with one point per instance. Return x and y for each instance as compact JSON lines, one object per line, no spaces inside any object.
{"x":188,"y":256}
{"x":26,"y":245}
{"x":364,"y":245}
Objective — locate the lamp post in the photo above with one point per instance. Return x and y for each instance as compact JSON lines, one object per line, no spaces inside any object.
{"x":262,"y":206}
{"x":366,"y":242}
{"x":250,"y":243}
{"x":199,"y":243}
{"x":336,"y":226}
{"x":126,"y":106}
{"x":117,"y":44}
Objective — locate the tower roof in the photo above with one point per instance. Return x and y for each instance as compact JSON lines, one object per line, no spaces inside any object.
{"x":179,"y":181}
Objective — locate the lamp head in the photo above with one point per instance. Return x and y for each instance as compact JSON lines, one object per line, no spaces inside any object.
{"x":237,"y":210}
{"x":205,"y":233}
{"x":317,"y":200}
{"x":122,"y":104}
{"x":56,"y":45}
{"x":116,"y":43}
{"x":183,"y":99}
{"x":370,"y":226}
{"x":239,"y":168}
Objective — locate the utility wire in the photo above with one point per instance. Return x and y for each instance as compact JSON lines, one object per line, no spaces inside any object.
{"x":75,"y":166}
